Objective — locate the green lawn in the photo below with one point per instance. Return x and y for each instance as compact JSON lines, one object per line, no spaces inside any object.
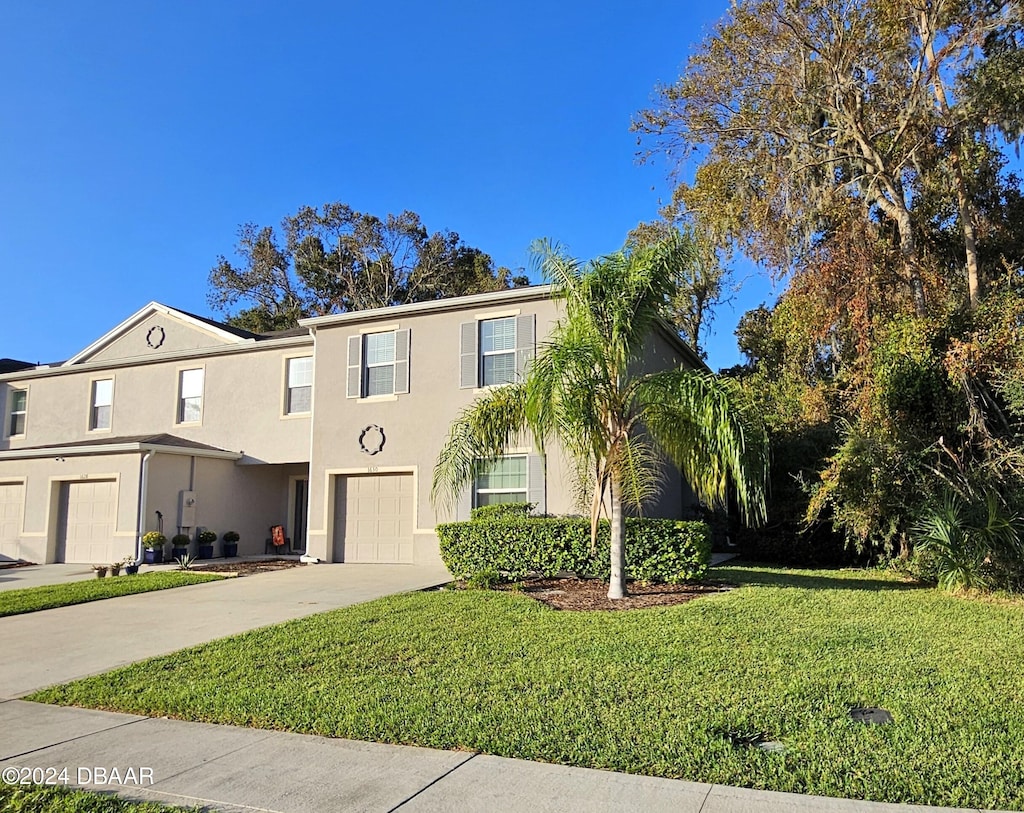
{"x":59,"y":799}
{"x":653,"y":691}
{"x":14,"y":602}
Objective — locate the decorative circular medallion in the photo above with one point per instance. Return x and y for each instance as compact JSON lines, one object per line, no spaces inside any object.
{"x":155,"y":337}
{"x":371,"y":439}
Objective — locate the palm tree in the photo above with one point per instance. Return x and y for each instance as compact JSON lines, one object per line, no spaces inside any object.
{"x":614,"y":422}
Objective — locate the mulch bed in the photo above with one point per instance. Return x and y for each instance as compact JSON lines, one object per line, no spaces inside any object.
{"x":249,"y":568}
{"x":590,"y":594}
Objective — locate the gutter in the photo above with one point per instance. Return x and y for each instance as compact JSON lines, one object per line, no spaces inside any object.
{"x":115,"y":448}
{"x":140,"y":519}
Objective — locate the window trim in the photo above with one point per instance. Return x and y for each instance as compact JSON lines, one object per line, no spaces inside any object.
{"x":93,"y":405}
{"x":179,"y":404}
{"x":9,"y":414}
{"x":286,"y":389}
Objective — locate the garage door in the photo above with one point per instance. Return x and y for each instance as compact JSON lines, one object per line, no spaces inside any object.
{"x":373,"y":518}
{"x":86,"y":530}
{"x":12,"y":498}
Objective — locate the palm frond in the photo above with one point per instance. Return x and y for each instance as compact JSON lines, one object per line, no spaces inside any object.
{"x":479,"y":435}
{"x":640,"y":474}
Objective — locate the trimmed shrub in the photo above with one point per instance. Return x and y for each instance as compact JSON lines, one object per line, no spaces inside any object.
{"x":657,"y":550}
{"x":501,"y":510}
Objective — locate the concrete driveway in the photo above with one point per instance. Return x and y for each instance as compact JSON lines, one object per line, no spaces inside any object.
{"x":55,"y":646}
{"x":16,"y":578}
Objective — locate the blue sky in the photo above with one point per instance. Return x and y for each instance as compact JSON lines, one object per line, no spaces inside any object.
{"x":137,"y":137}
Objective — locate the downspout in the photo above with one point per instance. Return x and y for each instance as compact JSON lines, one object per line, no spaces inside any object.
{"x":140,"y":515}
{"x":305,"y":557}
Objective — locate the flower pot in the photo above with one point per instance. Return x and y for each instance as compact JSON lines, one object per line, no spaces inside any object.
{"x":230,"y":549}
{"x":179,"y":553}
{"x":154,"y":556}
{"x":131,"y":570}
{"x":115,"y":570}
{"x":101,"y":572}
{"x":205,"y":551}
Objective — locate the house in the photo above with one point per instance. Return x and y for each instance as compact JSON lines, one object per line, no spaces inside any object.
{"x":172,"y":421}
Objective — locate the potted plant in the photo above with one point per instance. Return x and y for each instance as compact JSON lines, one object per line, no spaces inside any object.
{"x":154,"y":542}
{"x":100,"y":570}
{"x":179,"y":545}
{"x":206,"y":541}
{"x":129,"y":565}
{"x":115,"y":568}
{"x":230,"y":540}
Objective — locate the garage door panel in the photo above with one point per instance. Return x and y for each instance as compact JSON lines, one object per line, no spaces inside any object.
{"x":374,"y":518}
{"x":86,"y":529}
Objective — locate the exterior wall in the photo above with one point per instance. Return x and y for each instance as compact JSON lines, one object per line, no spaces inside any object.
{"x":168,"y":333}
{"x":229,"y":497}
{"x":37,"y":541}
{"x":243,"y":404}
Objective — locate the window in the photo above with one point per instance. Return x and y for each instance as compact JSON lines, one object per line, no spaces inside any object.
{"x":380,"y":364}
{"x":19,"y":411}
{"x":497,"y":351}
{"x":102,"y":402}
{"x":190,"y":396}
{"x":299,"y":397}
{"x":505,"y":480}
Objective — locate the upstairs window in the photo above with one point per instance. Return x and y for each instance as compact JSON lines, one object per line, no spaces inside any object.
{"x":299,"y":397}
{"x":18,"y":413}
{"x":496,"y":351}
{"x":190,"y":396}
{"x":102,"y":403}
{"x":378,"y":364}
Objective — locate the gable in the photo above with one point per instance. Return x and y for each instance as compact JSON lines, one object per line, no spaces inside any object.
{"x":158,"y":329}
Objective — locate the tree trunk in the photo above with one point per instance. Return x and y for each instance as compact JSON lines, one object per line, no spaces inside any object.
{"x":966,"y":207}
{"x":617,"y":582}
{"x":908,"y":248}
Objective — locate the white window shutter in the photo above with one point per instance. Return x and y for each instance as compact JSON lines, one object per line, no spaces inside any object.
{"x":469,"y":368}
{"x":401,"y":361}
{"x":536,"y":484}
{"x":526,"y":341}
{"x":355,"y":367}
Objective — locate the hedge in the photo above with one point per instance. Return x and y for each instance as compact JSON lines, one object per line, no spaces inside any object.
{"x":657,"y":550}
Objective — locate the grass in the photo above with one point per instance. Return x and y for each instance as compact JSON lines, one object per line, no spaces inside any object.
{"x":59,"y":799}
{"x":665,"y":692}
{"x":31,"y":599}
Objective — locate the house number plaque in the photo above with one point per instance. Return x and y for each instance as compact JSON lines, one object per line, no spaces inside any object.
{"x":371,"y":439}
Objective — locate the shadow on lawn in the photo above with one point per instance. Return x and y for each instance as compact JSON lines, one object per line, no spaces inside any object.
{"x":744,"y":574}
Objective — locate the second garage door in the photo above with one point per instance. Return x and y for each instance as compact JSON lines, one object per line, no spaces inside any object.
{"x":374,"y":518}
{"x":12,"y":498}
{"x":86,"y":530}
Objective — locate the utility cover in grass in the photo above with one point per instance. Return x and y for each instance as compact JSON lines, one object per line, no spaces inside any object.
{"x":870,"y":716}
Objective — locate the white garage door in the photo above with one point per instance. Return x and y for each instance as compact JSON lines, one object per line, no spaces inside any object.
{"x":373,"y":518}
{"x":12,"y":498}
{"x":86,"y":530}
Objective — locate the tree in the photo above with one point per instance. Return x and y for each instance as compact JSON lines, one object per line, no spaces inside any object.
{"x":804,"y":108}
{"x":699,"y":280}
{"x":335,"y":259}
{"x":612,"y":422}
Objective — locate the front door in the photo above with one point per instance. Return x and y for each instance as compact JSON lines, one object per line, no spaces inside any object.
{"x":298,"y":529}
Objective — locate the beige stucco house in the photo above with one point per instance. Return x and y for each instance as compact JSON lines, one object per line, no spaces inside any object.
{"x":175,"y":422}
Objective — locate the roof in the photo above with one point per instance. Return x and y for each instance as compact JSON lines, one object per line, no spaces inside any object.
{"x":13,"y":365}
{"x":170,"y":444}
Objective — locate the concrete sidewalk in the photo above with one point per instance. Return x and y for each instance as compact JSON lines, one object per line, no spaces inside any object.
{"x":241,"y":770}
{"x":55,"y":646}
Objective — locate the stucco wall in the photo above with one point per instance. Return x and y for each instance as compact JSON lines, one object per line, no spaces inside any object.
{"x":37,"y":540}
{"x":243,"y":404}
{"x":166,"y":332}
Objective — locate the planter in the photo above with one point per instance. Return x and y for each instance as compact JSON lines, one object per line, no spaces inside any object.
{"x":131,"y":570}
{"x":230,"y":549}
{"x":205,"y":552}
{"x":115,"y":570}
{"x":154,"y":556}
{"x":179,"y":553}
{"x":101,"y":572}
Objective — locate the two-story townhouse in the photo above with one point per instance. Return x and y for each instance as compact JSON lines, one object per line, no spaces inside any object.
{"x":169,"y":420}
{"x":331,"y":429}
